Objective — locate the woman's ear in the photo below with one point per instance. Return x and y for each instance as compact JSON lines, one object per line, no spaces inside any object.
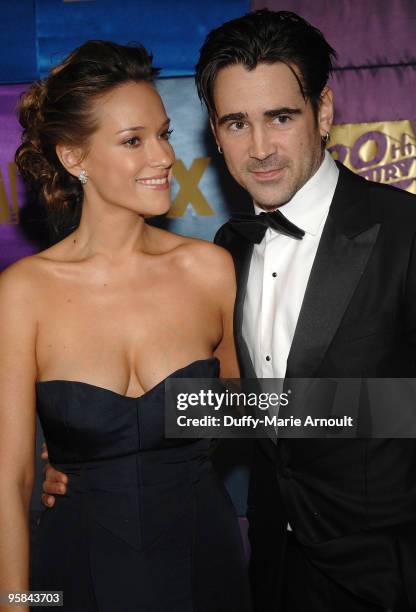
{"x":70,"y":157}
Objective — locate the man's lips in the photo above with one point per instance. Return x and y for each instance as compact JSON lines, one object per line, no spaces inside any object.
{"x":266,"y":175}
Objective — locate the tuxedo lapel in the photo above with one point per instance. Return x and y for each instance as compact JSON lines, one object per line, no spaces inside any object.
{"x":344,"y":249}
{"x":242,"y":270}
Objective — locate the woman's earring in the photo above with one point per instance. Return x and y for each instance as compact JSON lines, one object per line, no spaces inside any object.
{"x":325,"y":137}
{"x":219,"y":149}
{"x":83,"y":177}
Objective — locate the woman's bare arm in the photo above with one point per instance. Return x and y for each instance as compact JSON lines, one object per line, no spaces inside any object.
{"x":225,"y":282}
{"x":17,"y":424}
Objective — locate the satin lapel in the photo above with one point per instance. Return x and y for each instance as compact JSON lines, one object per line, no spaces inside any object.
{"x":242,"y":258}
{"x":342,"y":255}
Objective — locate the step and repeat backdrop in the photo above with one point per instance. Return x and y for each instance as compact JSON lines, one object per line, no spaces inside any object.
{"x":374,"y":87}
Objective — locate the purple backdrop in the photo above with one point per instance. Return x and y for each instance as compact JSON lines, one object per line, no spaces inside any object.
{"x":375,"y":77}
{"x":14,"y":244}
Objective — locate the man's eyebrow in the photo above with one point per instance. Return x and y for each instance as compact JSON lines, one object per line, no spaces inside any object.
{"x":284,"y":110}
{"x":136,"y":128}
{"x":232,"y":117}
{"x":275,"y":112}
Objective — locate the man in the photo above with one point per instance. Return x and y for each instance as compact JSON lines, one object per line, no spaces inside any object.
{"x":327,"y":291}
{"x":335,"y":299}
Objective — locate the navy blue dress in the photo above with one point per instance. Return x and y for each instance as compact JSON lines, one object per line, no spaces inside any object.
{"x":145,"y":526}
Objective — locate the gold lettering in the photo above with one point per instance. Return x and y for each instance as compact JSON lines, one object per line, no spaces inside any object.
{"x":397,"y":140}
{"x":9,"y":212}
{"x":189,"y":192}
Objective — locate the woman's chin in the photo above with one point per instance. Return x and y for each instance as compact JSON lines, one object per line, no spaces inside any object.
{"x":155,"y":211}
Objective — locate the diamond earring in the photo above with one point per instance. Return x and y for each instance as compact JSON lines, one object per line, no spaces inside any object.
{"x":83,"y":177}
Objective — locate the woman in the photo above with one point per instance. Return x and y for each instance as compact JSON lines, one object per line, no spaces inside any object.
{"x":90,"y":329}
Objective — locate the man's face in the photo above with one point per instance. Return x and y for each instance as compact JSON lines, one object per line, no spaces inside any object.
{"x":268,"y":132}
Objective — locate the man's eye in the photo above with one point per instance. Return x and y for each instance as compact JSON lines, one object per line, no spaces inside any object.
{"x":281,"y":119}
{"x":134,"y":141}
{"x":237,"y":125}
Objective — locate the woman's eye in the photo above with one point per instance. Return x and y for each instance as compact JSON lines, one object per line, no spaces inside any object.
{"x":134,"y":141}
{"x":166,"y":135}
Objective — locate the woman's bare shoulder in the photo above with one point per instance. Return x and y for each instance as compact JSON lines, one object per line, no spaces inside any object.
{"x":29,"y":271}
{"x":20,"y":304}
{"x":206,"y":261}
{"x":38,"y":262}
{"x":21,"y":270}
{"x":201,"y":252}
{"x":187,"y":246}
{"x":21,"y":278}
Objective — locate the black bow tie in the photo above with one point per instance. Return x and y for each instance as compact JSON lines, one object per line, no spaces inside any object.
{"x":253,"y":227}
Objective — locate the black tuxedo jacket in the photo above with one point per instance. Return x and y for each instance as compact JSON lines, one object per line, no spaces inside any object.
{"x":351,"y":503}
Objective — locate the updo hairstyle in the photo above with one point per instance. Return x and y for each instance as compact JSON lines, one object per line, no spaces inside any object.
{"x":59,"y":110}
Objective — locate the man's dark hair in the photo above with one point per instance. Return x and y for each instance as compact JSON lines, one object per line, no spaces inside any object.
{"x":266,"y":37}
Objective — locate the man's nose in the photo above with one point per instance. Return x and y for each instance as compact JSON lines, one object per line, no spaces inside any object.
{"x":262,"y":145}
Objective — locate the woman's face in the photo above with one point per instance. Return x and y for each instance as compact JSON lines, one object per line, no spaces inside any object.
{"x":129,"y":157}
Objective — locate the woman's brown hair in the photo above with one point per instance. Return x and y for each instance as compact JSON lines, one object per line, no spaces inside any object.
{"x":59,"y":110}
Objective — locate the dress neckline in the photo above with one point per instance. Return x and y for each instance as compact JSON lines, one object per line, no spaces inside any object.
{"x":128,"y":397}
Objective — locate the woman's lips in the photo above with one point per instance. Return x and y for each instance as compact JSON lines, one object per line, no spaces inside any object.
{"x":158,"y":183}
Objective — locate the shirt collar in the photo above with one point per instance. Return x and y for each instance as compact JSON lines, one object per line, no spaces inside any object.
{"x":309,"y":206}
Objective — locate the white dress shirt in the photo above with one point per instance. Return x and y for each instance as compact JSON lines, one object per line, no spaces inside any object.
{"x":279,"y":272}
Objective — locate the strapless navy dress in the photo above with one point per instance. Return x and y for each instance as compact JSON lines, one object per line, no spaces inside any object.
{"x":145,"y":526}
